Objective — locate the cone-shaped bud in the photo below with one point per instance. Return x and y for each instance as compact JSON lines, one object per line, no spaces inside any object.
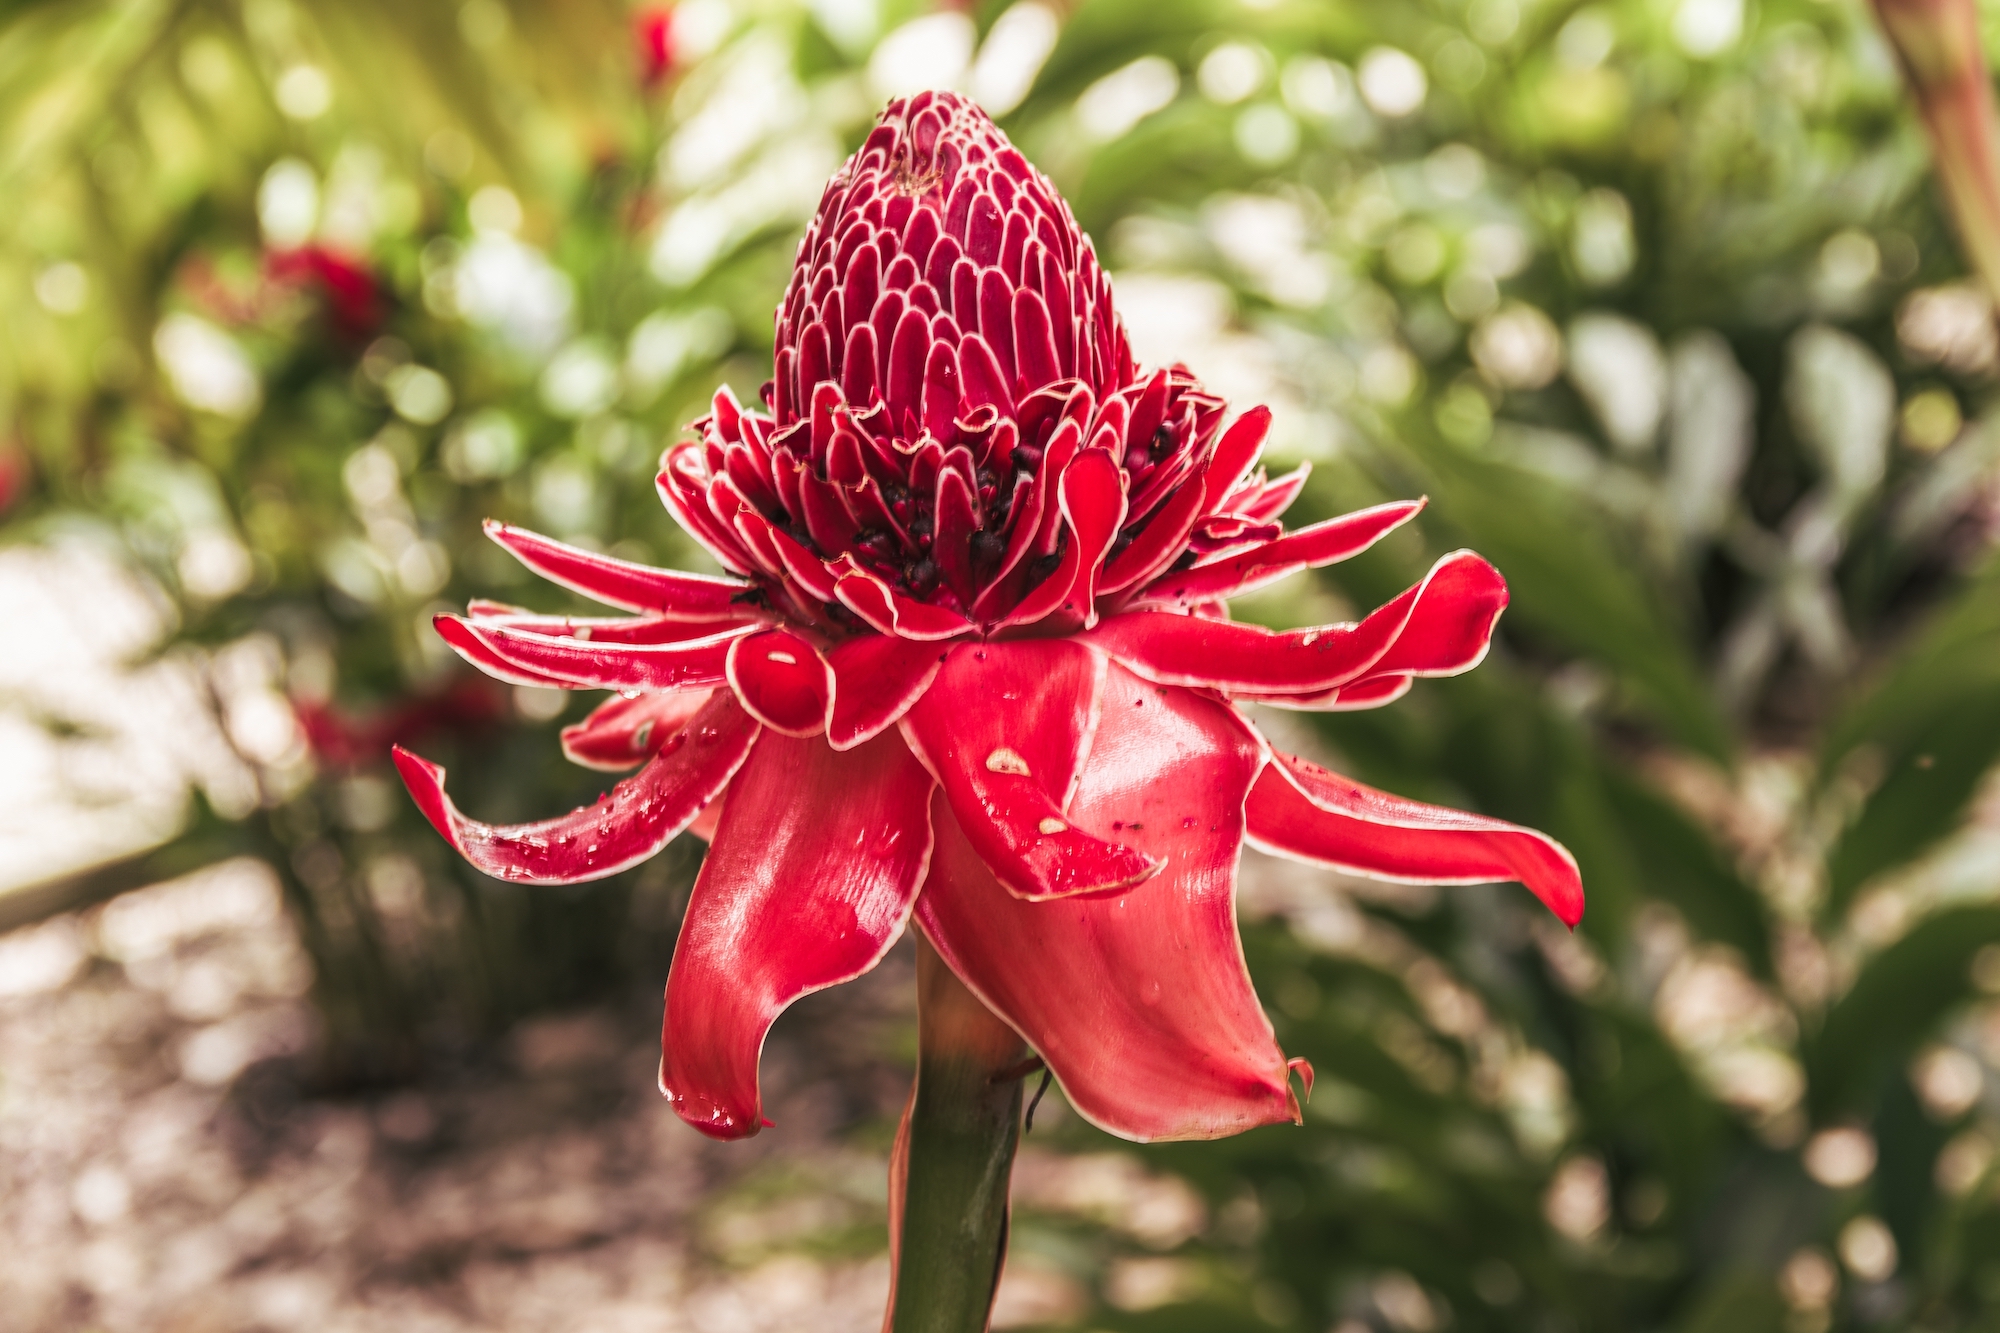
{"x":947,"y":352}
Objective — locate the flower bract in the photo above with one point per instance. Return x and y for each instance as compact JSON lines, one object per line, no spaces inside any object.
{"x":972,"y":664}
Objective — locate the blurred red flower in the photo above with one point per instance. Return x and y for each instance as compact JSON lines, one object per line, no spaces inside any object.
{"x":354,"y":301}
{"x":975,"y":666}
{"x":653,"y":38}
{"x":344,"y":740}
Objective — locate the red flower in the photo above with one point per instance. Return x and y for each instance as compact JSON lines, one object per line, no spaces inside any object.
{"x":346,"y":740}
{"x":354,"y":302}
{"x":653,"y":39}
{"x":976,"y":666}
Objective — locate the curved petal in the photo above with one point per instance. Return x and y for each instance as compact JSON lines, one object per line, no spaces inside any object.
{"x":1274,"y":497}
{"x":876,"y":679}
{"x":626,"y":825}
{"x":622,"y":732}
{"x":1368,"y":692}
{"x":1300,"y":810}
{"x":889,"y":612}
{"x":1005,"y":728}
{"x":1321,"y":544}
{"x":815,"y":861}
{"x":1092,"y":496}
{"x":1235,"y":453}
{"x":781,"y":681}
{"x":683,"y":488}
{"x":1439,"y":627}
{"x":1140,"y":1003}
{"x":586,"y":665}
{"x":595,"y":629}
{"x":1158,"y":544}
{"x":621,"y":583}
{"x":474,"y":649}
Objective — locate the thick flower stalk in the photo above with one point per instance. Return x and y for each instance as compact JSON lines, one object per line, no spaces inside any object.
{"x":974,"y":665}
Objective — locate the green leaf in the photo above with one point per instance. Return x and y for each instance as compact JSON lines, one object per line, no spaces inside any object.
{"x":1932,"y":774}
{"x":1899,"y":998}
{"x":1572,"y":580}
{"x":1740,"y":1303}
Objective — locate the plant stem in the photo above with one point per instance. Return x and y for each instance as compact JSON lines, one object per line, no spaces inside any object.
{"x":954,"y":1156}
{"x":1937,"y":44}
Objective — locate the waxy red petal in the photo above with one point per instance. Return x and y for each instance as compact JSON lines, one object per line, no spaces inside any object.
{"x":1093,"y":509}
{"x":1439,"y":627}
{"x":626,"y":825}
{"x":876,"y":679}
{"x":588,"y":665}
{"x":595,"y":629}
{"x":815,"y":861}
{"x":1158,"y":545}
{"x":1321,"y":544}
{"x":621,"y":583}
{"x":1301,"y":810}
{"x":1004,"y":727}
{"x":623,"y":733}
{"x":1140,"y":1003}
{"x":1368,"y":692}
{"x":889,"y":612}
{"x":472,"y":648}
{"x":1235,"y":452}
{"x":781,"y":681}
{"x":1274,"y":497}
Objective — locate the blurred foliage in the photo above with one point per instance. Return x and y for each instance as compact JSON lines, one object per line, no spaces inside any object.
{"x":1654,"y":300}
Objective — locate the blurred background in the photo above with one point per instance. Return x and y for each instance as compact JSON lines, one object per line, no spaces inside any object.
{"x":1657,"y":300}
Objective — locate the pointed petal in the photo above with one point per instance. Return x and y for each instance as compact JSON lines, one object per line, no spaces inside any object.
{"x":876,"y":679}
{"x":1093,"y":509}
{"x":581,"y":664}
{"x":809,"y":881}
{"x":623,"y":733}
{"x":1308,"y":548}
{"x":1440,"y":627}
{"x":1235,"y":452}
{"x":1140,"y":1003}
{"x":1158,"y":545}
{"x":632,"y":822}
{"x":620,"y":583}
{"x":683,"y":488}
{"x":1368,"y":692}
{"x":469,"y":646}
{"x":1302,"y":811}
{"x":1003,"y":728}
{"x":889,"y":612}
{"x":594,"y":629}
{"x":781,"y":681}
{"x":1275,"y":497}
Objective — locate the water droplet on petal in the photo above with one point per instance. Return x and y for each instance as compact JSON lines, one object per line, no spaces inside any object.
{"x":1004,"y":760}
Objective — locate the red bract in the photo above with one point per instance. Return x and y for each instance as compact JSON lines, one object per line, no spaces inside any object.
{"x":975,"y":666}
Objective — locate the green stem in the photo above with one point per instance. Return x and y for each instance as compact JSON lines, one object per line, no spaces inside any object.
{"x":954,"y":1156}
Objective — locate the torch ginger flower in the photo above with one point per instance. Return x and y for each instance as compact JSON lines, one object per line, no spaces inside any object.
{"x":974,"y":665}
